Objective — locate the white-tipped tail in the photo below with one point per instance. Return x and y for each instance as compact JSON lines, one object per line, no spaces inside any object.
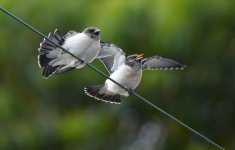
{"x":95,"y":92}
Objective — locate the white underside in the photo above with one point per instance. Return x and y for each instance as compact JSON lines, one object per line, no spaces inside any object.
{"x":81,"y":46}
{"x":126,"y":76}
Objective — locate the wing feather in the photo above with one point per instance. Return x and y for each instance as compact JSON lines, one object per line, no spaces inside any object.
{"x":111,"y":56}
{"x":159,"y":63}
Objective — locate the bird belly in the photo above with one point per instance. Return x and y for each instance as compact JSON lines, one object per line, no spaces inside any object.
{"x":77,"y":44}
{"x":81,"y":46}
{"x":126,"y":77}
{"x":91,"y":52}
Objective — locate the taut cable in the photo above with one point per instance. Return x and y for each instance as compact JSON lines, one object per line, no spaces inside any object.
{"x":106,"y":76}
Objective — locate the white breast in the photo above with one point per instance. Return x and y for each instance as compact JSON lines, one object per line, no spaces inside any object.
{"x":126,"y":76}
{"x":91,"y":52}
{"x":77,"y":43}
{"x":83,"y":47}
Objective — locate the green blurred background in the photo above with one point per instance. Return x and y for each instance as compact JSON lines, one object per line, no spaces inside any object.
{"x":56,"y":114}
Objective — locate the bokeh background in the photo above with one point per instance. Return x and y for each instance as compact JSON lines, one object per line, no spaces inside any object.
{"x":56,"y":114}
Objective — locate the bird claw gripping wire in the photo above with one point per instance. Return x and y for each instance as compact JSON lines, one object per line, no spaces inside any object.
{"x":129,"y":90}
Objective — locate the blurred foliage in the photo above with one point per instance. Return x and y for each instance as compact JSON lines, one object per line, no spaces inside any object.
{"x":56,"y":114}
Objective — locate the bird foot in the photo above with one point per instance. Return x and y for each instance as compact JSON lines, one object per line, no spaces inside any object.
{"x":129,"y":91}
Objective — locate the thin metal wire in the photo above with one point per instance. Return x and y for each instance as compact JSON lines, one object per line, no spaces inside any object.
{"x":106,"y":76}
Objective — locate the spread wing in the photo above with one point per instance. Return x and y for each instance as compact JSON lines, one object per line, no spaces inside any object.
{"x":111,"y":56}
{"x":159,"y":63}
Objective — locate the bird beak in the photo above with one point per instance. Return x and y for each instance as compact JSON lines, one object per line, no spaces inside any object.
{"x":139,"y":57}
{"x":97,"y":31}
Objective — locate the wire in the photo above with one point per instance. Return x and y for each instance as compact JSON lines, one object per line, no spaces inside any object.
{"x":106,"y":76}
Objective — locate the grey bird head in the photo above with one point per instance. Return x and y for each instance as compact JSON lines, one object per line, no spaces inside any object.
{"x":92,"y":32}
{"x":134,"y":61}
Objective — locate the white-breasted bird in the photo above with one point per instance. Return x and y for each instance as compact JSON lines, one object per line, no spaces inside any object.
{"x":85,"y":45}
{"x":126,"y":70}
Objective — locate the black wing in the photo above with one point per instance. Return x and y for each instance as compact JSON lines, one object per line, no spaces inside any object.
{"x":49,"y":51}
{"x":159,"y":63}
{"x":111,"y":56}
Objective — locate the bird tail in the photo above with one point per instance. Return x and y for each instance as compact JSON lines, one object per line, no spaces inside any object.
{"x":95,"y":92}
{"x":48,"y":52}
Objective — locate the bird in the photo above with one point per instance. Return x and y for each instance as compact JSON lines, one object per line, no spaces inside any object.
{"x":126,"y":70}
{"x":84,"y":45}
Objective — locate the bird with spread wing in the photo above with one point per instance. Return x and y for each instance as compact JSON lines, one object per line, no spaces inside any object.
{"x":126,"y":70}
